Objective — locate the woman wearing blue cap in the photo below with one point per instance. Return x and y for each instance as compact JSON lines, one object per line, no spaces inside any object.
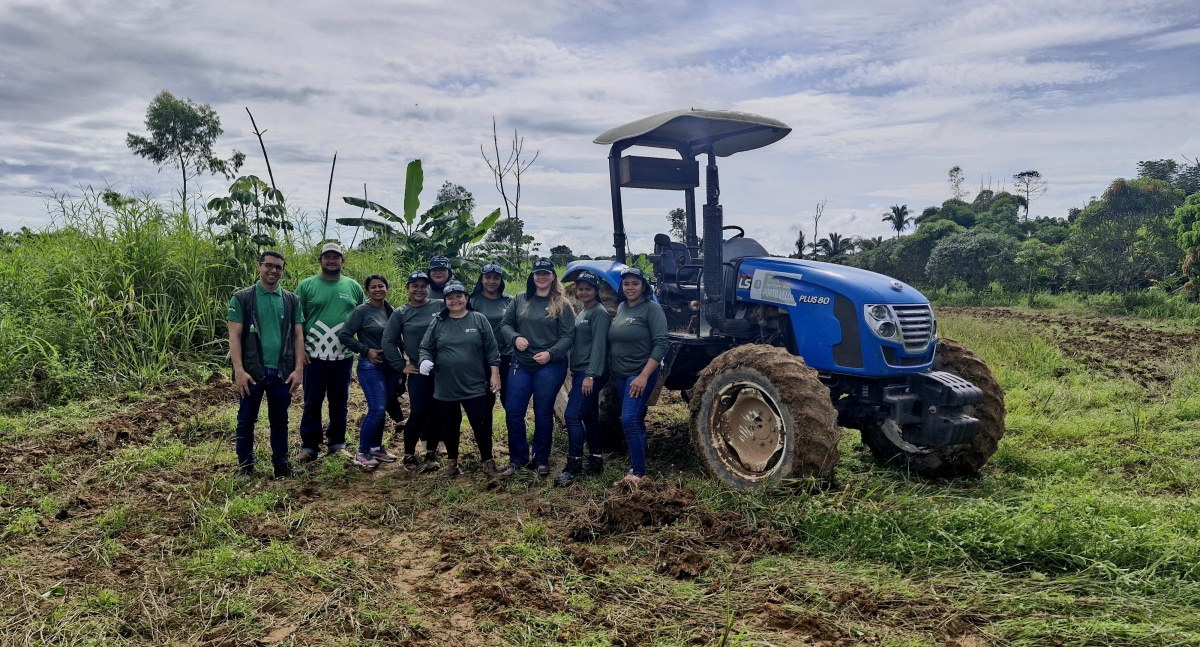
{"x":488,"y":298}
{"x":540,"y":325}
{"x":637,"y":344}
{"x":589,"y":373}
{"x":402,"y":348}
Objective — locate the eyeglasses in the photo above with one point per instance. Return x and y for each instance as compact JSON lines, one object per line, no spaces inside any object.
{"x":271,"y":267}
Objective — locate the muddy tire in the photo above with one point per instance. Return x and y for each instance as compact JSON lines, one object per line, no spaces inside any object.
{"x":951,"y":460}
{"x":759,"y":415}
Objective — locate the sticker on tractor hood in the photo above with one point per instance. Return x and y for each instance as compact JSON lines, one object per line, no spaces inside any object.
{"x":774,"y":287}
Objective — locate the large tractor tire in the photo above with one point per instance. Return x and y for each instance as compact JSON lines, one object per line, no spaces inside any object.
{"x":760,"y":415}
{"x":885,"y":441}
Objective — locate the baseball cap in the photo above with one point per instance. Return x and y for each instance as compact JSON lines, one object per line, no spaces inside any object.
{"x":543,"y":264}
{"x":634,"y":271}
{"x":332,"y":247}
{"x":453,"y":286}
{"x":439,"y":261}
{"x":588,"y":277}
{"x":492,"y":267}
{"x":417,"y":276}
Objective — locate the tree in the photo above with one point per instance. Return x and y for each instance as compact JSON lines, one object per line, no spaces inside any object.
{"x":956,"y":183}
{"x":1126,"y":240}
{"x":817,"y":217}
{"x":898,"y":217}
{"x":801,"y":246}
{"x":867,"y":244}
{"x":561,"y":255}
{"x":678,"y":219}
{"x":1184,"y":177}
{"x":251,"y":215}
{"x":976,"y":257}
{"x":464,"y":200}
{"x":1187,"y":225}
{"x":835,"y":247}
{"x":182,"y":134}
{"x":1029,"y":185}
{"x":507,"y":175}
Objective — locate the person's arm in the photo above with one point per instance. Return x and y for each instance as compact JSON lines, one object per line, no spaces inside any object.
{"x":393,"y":337}
{"x":491,"y":350}
{"x":508,"y":325}
{"x":302,"y":298}
{"x":348,"y":332}
{"x":429,"y":344}
{"x":656,"y":321}
{"x":566,"y":333}
{"x":241,"y":378}
{"x":297,"y":377}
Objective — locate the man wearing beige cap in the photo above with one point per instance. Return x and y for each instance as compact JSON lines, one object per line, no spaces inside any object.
{"x":326,"y":300}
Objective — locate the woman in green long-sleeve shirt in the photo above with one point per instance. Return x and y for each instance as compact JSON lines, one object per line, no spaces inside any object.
{"x":637,"y":343}
{"x":402,"y":346}
{"x":363,"y":334}
{"x":540,"y":325}
{"x":589,"y":374}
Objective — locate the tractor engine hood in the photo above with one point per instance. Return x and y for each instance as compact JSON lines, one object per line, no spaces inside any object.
{"x":857,"y":284}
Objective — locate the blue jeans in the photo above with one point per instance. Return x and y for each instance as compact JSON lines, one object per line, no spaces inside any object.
{"x":542,"y":384}
{"x":581,"y":416}
{"x":325,"y":379}
{"x":379,"y":384}
{"x":633,"y":419}
{"x":420,"y":411}
{"x":279,"y":398}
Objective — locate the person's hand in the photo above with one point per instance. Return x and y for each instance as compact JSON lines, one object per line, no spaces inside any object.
{"x":295,"y":379}
{"x":542,"y":358}
{"x":521,"y":344}
{"x":304,"y":360}
{"x":426,"y":367}
{"x":637,"y":386}
{"x":243,"y":381}
{"x":495,"y":383}
{"x":409,"y":369}
{"x":375,"y":355}
{"x":587,"y":385}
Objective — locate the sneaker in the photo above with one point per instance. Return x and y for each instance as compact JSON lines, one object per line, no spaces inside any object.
{"x":366,"y":462}
{"x":543,"y":471}
{"x":383,"y":455}
{"x":340,"y":450}
{"x":285,"y":470}
{"x":305,"y":456}
{"x":245,"y":473}
{"x":511,"y":470}
{"x":632,"y":480}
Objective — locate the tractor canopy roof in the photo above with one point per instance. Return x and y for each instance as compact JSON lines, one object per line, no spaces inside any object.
{"x":725,"y":131}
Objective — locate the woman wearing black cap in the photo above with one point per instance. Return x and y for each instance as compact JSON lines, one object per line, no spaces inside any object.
{"x":637,"y":343}
{"x":540,"y":325}
{"x":439,"y":274}
{"x":488,"y":298}
{"x":589,"y":372}
{"x":453,"y":347}
{"x":402,"y":348}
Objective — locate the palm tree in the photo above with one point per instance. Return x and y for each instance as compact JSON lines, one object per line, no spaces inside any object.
{"x":835,"y":247}
{"x":898,"y":217}
{"x":801,"y":246}
{"x":867,"y":244}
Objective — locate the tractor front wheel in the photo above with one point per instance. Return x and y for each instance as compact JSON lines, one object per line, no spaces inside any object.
{"x":760,"y":415}
{"x":886,"y":441}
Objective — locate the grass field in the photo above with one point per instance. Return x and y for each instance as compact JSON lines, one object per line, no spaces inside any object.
{"x":121,"y":525}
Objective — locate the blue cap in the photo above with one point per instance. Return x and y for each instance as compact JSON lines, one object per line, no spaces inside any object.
{"x":439,"y":262}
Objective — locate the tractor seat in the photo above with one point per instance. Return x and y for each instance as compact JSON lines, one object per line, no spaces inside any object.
{"x":679,"y":275}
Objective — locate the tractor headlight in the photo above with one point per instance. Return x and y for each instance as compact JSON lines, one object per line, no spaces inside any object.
{"x":882,"y":321}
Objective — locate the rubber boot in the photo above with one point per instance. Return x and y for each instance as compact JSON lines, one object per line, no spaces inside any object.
{"x":451,"y":469}
{"x":595,"y":465}
{"x":573,"y":471}
{"x":490,"y":470}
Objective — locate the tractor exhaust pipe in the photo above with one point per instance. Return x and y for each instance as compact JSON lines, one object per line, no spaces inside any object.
{"x":714,"y":275}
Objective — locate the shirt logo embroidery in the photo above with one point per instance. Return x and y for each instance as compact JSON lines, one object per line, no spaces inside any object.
{"x":629,"y":321}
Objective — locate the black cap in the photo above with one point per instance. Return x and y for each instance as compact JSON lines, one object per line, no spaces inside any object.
{"x":492,"y":267}
{"x":543,"y":264}
{"x":418,"y":276}
{"x":439,"y":261}
{"x":634,"y":271}
{"x":587,"y":277}
{"x":453,"y":286}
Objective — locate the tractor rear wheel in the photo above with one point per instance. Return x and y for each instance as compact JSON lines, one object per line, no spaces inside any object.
{"x":886,"y":442}
{"x":760,"y":415}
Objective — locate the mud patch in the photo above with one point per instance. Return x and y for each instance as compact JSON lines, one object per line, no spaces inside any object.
{"x":801,"y":624}
{"x":686,"y":565}
{"x":630,"y":508}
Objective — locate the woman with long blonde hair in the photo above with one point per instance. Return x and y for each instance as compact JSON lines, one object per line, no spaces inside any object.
{"x":540,"y":327}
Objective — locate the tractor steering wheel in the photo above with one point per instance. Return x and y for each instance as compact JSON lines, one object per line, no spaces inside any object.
{"x":741,"y":233}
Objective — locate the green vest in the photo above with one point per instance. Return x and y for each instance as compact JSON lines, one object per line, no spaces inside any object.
{"x":252,"y":359}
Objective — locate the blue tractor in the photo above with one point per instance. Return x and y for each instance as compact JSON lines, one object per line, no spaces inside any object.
{"x":775,"y":355}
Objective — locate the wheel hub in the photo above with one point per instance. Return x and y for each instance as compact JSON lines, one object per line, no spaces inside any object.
{"x":749,"y":425}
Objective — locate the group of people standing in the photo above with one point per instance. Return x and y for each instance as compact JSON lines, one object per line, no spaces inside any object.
{"x":455,"y":351}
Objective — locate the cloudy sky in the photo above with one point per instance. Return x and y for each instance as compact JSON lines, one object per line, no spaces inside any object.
{"x":883,"y":98}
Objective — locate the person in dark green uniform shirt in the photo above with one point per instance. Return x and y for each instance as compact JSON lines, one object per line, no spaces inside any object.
{"x":440,"y":273}
{"x":488,"y":298}
{"x":460,"y":350}
{"x":402,"y":348}
{"x":266,"y":342}
{"x":540,"y":325}
{"x":637,"y":343}
{"x":589,"y":374}
{"x":363,"y":334}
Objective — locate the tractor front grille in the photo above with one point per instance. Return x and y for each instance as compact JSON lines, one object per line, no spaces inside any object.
{"x":916,"y":325}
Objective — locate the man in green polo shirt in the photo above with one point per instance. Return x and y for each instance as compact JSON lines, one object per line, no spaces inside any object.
{"x":266,"y":339}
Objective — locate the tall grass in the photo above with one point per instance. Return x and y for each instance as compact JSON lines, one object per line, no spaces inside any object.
{"x":1153,"y":303}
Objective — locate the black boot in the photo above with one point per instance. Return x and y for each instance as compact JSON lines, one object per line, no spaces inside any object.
{"x":285,"y":470}
{"x":573,"y":471}
{"x":595,"y":465}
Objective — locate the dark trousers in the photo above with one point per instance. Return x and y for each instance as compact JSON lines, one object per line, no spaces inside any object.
{"x":541,"y":384}
{"x":325,"y":380}
{"x":420,"y":411}
{"x":279,"y":398}
{"x":581,"y":416}
{"x":449,"y":424}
